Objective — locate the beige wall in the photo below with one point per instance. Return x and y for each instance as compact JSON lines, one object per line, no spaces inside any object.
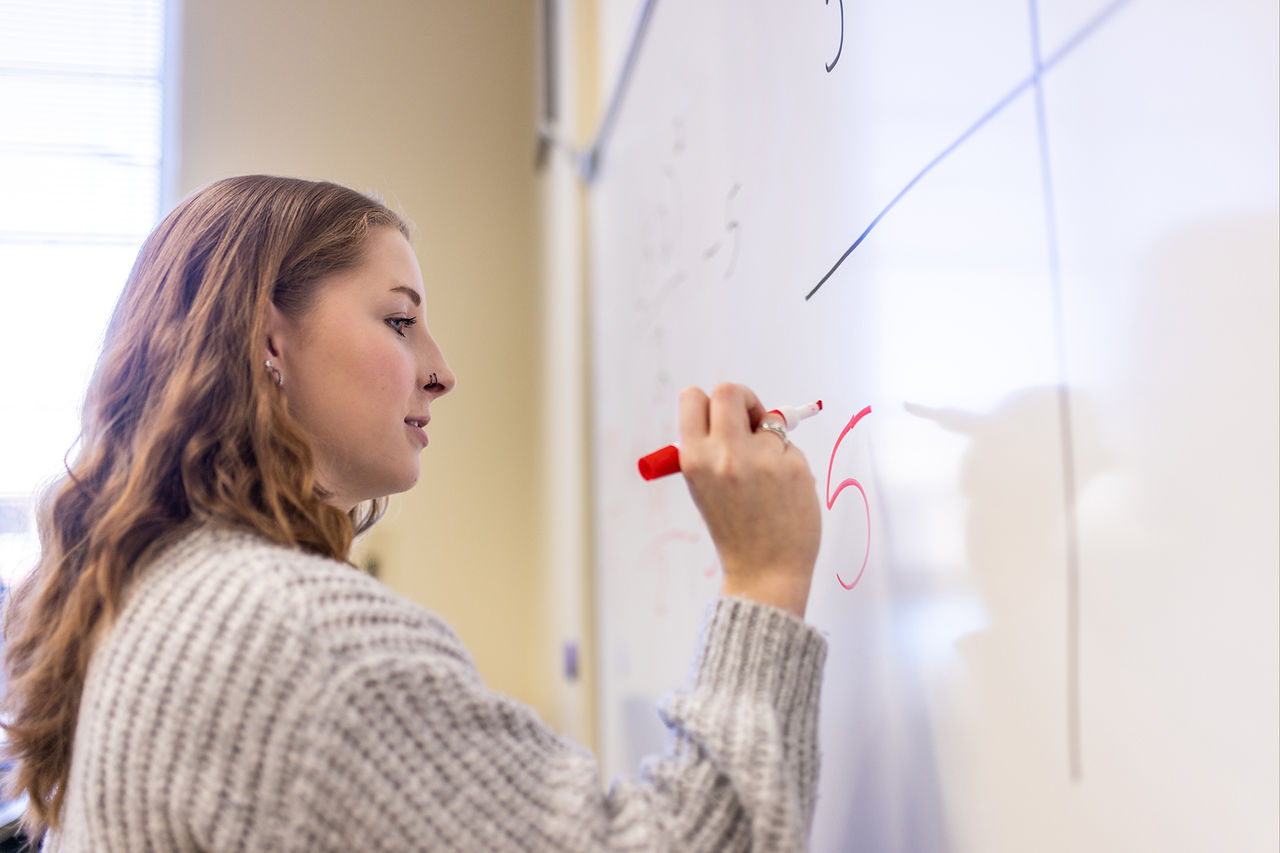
{"x":432,"y":105}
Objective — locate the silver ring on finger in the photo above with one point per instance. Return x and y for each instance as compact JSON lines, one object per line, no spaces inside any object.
{"x":779,"y":430}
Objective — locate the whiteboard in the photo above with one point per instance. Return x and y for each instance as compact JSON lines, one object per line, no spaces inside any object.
{"x":1039,"y":242}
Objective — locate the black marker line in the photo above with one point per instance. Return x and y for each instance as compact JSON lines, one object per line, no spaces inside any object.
{"x":840,"y":49}
{"x":1074,"y":759}
{"x":734,"y":226}
{"x":1070,"y":45}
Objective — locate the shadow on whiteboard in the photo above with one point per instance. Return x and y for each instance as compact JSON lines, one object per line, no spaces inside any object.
{"x":940,"y":691}
{"x":1021,"y":477}
{"x":1172,"y":488}
{"x":1007,"y":710}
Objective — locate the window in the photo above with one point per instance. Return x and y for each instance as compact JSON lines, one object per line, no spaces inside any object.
{"x":81,"y":122}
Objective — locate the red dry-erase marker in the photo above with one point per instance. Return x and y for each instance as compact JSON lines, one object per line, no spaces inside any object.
{"x":666,"y":461}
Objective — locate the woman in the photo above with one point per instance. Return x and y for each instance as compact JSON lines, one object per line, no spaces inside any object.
{"x":194,"y":666}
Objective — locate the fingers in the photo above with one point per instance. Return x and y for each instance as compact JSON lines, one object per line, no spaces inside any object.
{"x":729,"y":415}
{"x":757,"y":497}
{"x":695,"y":417}
{"x":735,"y":411}
{"x":729,"y":410}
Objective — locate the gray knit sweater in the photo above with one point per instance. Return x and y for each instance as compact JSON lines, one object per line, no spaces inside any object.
{"x":254,"y":698}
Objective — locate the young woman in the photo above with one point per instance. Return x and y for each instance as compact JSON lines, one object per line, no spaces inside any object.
{"x":194,"y":666}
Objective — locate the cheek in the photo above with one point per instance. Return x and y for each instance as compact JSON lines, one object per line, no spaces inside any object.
{"x":357,"y":383}
{"x":381,"y":371}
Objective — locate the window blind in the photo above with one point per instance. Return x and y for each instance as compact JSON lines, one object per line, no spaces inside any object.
{"x":81,"y":95}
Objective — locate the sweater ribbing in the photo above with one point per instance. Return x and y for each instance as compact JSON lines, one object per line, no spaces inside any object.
{"x":253,"y":697}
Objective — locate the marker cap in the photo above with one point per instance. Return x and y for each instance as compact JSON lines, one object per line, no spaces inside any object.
{"x":793,"y":415}
{"x":660,"y":463}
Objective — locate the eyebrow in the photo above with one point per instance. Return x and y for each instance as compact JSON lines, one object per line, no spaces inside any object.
{"x":413,"y":294}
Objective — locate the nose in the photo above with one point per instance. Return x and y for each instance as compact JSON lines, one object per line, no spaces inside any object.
{"x":436,"y":378}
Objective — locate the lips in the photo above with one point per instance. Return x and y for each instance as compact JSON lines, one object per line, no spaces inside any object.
{"x":419,"y":427}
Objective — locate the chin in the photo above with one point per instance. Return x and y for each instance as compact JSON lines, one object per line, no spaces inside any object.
{"x":402,"y":483}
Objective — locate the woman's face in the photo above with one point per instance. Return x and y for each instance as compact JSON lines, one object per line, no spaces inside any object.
{"x":361,"y":370}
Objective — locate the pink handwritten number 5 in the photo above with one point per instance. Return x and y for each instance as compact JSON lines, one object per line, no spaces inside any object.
{"x":831,"y":499}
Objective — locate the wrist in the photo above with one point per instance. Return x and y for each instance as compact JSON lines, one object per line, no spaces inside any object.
{"x":786,"y":593}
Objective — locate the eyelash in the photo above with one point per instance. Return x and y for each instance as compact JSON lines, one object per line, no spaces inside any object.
{"x":404,"y":323}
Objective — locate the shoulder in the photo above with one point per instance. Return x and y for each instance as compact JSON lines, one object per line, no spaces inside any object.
{"x":219,"y":677}
{"x":241,"y":582}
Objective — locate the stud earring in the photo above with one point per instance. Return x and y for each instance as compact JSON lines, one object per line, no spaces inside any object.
{"x":275,"y":373}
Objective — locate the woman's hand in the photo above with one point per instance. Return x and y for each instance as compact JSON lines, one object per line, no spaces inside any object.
{"x":756,"y":494}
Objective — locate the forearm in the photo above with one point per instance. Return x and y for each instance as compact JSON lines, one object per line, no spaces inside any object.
{"x":461,"y":767}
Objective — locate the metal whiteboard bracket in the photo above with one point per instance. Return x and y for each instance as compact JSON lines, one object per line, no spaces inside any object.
{"x":549,"y":58}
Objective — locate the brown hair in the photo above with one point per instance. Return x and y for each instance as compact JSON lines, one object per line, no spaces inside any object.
{"x":182,"y":424}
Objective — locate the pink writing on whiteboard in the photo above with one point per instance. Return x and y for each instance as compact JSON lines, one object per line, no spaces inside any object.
{"x":831,"y":498}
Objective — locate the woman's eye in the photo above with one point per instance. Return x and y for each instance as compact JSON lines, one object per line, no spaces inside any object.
{"x":401,"y":323}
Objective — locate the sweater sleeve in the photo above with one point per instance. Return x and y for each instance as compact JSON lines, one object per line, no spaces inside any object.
{"x":409,"y":751}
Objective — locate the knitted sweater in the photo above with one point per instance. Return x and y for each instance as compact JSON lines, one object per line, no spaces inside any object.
{"x":251,"y":697}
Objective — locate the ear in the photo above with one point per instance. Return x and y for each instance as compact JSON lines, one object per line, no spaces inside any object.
{"x":278,"y":333}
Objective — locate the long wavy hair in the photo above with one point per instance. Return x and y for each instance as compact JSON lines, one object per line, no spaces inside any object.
{"x":182,"y":424}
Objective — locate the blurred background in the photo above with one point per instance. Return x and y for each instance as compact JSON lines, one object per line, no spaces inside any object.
{"x":113,"y":110}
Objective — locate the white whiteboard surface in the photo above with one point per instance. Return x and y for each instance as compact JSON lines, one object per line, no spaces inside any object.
{"x":1066,"y":634}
